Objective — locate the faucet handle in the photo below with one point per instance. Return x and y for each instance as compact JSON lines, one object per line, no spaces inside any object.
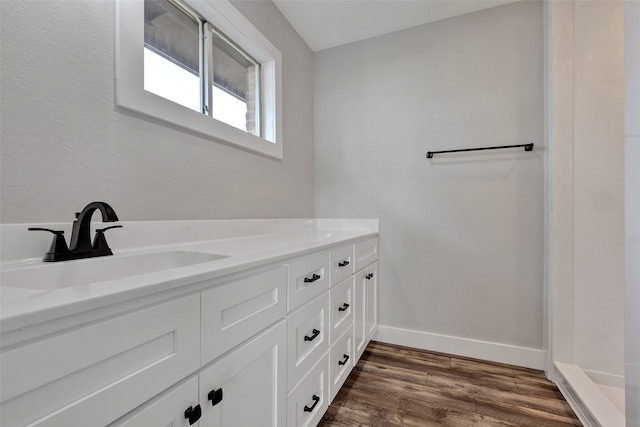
{"x":56,"y":232}
{"x":58,"y":244}
{"x":102,"y":230}
{"x":100,"y":242}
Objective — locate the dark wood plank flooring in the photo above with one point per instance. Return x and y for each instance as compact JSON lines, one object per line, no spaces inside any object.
{"x":401,"y":386}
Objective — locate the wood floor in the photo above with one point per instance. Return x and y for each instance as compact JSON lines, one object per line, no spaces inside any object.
{"x":400,"y":386}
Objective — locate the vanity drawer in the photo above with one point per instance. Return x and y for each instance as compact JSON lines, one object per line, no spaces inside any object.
{"x":341,"y":309}
{"x":342,"y":264}
{"x":308,"y":402}
{"x":365,"y":253}
{"x":308,"y":278}
{"x":167,"y":409}
{"x":65,"y":380}
{"x":307,"y":338}
{"x":340,"y":362}
{"x":237,"y":310}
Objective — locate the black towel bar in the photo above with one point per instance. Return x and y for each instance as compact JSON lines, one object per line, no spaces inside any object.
{"x":527,"y":147}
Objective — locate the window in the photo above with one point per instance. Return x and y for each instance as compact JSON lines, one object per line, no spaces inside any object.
{"x":200,"y":65}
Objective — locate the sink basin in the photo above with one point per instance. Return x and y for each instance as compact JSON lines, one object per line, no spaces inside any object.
{"x":104,"y":269}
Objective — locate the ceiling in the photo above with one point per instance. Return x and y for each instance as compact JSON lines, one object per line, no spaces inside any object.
{"x":328,"y":23}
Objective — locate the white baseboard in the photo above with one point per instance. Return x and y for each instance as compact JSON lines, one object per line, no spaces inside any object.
{"x":495,"y":352}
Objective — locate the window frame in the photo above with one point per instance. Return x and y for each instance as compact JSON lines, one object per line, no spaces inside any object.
{"x":129,"y":76}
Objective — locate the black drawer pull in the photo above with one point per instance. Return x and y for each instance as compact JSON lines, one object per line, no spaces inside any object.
{"x":313,"y":278}
{"x":193,"y":414}
{"x":343,"y":263}
{"x":312,"y":337}
{"x":344,"y":362}
{"x":316,"y":399}
{"x":369,"y":276}
{"x":215,"y":396}
{"x":344,"y":307}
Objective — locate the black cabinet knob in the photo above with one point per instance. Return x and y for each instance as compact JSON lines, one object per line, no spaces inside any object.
{"x":215,"y":396}
{"x":193,"y":414}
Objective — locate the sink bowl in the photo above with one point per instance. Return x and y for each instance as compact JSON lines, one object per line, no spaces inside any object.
{"x":103,"y":269}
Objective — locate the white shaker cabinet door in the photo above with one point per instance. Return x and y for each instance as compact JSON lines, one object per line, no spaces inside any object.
{"x":365,"y":322}
{"x":371,"y":301}
{"x":359,"y":320}
{"x":248,"y":386}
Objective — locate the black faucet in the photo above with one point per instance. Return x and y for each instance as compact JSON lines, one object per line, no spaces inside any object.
{"x":80,"y":245}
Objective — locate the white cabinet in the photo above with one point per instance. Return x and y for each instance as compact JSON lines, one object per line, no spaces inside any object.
{"x":310,"y":399}
{"x":340,"y":362}
{"x":308,"y":337}
{"x":341,"y":310}
{"x":366,"y":310}
{"x":267,"y":349}
{"x":342,"y":265}
{"x":359,"y":321}
{"x":365,"y":253}
{"x":366,"y":296}
{"x":247,"y":386}
{"x":65,"y":379}
{"x":371,"y":301}
{"x":233,"y":312}
{"x":308,"y":277}
{"x":244,"y":388}
{"x":171,"y":408}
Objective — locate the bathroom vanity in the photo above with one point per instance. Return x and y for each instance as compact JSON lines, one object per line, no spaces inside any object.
{"x":210,"y":323}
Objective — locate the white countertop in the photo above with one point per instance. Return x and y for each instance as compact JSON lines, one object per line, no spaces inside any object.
{"x":245,"y":243}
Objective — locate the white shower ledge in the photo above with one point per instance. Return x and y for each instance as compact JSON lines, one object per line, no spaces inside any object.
{"x":245,"y":244}
{"x":591,"y":405}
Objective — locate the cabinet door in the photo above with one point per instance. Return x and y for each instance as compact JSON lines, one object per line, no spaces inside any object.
{"x":247,"y":387}
{"x":371,"y":301}
{"x":168,"y":409}
{"x":359,"y":320}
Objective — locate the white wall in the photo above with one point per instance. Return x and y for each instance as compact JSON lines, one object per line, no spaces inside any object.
{"x":461,"y":235}
{"x":64,"y":144}
{"x":632,"y":214}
